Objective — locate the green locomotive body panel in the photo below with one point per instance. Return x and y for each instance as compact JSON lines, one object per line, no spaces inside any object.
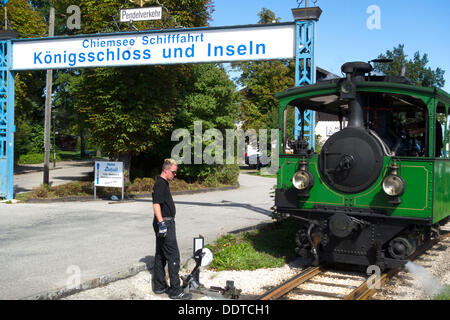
{"x":416,"y":201}
{"x":441,"y":196}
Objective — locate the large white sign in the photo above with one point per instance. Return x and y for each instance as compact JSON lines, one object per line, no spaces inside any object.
{"x":108,"y":174}
{"x":195,"y":45}
{"x":141,"y":14}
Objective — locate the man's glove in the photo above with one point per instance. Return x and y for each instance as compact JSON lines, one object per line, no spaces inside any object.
{"x":162,"y":229}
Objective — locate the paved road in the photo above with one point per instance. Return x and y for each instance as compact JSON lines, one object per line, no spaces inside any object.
{"x":39,"y":243}
{"x":27,"y":177}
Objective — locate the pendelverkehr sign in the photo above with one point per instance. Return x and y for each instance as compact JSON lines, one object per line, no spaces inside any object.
{"x":197,"y":45}
{"x":141,"y":14}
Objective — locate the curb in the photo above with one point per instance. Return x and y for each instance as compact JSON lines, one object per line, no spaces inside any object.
{"x":100,"y":281}
{"x":129,"y":197}
{"x":131,"y":271}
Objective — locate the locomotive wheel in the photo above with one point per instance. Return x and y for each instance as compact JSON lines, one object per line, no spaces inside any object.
{"x":400,"y":248}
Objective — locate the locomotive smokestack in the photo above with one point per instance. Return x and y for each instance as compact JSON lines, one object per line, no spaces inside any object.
{"x":356,"y":113}
{"x":355,"y":71}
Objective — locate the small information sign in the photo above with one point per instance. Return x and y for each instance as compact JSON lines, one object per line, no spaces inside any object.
{"x":108,"y":174}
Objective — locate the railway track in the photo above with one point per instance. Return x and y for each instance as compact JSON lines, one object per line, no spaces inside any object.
{"x":333,"y":285}
{"x":336,"y":285}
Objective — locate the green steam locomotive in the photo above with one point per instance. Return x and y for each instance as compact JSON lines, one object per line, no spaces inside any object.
{"x":380,"y":185}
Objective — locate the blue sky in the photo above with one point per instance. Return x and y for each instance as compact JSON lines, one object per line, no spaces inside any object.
{"x":342,"y":34}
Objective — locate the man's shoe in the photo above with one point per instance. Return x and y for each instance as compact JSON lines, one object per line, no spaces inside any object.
{"x":161,"y":291}
{"x":182,"y":296}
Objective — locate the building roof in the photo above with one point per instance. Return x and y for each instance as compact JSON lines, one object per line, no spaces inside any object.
{"x":322,"y":74}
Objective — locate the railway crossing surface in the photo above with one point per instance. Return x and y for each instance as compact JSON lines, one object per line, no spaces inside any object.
{"x":45,"y":245}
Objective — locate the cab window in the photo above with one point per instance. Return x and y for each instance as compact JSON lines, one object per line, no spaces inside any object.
{"x":440,"y":141}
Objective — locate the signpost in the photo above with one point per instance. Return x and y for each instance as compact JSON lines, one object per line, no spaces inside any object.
{"x":108,"y":174}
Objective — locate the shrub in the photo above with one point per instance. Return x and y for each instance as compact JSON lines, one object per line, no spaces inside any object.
{"x":141,"y":185}
{"x":62,"y":191}
{"x":41,"y":192}
{"x":33,"y":158}
{"x":210,"y":175}
{"x":177,"y":184}
{"x":74,"y":188}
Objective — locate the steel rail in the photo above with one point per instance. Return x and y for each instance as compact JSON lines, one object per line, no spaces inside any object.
{"x":367,"y":290}
{"x":363,"y":292}
{"x":292,"y":283}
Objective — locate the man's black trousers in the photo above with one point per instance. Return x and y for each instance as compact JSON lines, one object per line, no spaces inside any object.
{"x":167,"y":253}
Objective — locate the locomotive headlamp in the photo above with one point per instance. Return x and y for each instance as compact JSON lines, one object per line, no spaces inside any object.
{"x":303,"y":179}
{"x":394,"y":185}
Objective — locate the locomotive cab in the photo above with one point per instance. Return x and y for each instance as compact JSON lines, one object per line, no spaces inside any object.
{"x":365,"y":197}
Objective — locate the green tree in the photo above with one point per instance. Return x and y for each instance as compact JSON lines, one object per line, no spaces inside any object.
{"x":260,"y":80}
{"x":23,"y":19}
{"x":207,"y":95}
{"x":416,"y":68}
{"x":210,"y":97}
{"x":128,"y":117}
{"x":129,"y":111}
{"x":29,"y":85}
{"x":267,"y":16}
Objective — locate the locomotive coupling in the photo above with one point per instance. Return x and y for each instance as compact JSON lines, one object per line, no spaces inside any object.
{"x":342,"y":225}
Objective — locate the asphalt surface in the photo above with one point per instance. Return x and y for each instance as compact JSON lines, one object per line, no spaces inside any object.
{"x":44,"y":245}
{"x":27,"y":177}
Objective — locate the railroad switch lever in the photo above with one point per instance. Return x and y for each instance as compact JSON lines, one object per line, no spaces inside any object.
{"x":191,"y":283}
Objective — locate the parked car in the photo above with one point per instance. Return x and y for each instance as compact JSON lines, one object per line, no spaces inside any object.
{"x":254,"y":161}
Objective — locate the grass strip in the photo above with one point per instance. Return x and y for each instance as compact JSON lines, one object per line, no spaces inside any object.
{"x":269,"y":247}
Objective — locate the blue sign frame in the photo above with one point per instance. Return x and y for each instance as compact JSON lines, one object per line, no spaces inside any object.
{"x":305,"y":74}
{"x":7,"y":127}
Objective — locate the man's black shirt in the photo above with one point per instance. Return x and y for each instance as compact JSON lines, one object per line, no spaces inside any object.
{"x":161,"y":194}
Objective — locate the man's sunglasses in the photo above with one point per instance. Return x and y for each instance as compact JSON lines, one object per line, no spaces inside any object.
{"x":174,"y":172}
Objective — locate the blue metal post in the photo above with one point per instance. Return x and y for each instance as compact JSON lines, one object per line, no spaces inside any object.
{"x":305,"y":73}
{"x":7,"y":127}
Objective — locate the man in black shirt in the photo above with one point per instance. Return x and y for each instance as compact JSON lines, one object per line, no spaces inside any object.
{"x":166,"y":241}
